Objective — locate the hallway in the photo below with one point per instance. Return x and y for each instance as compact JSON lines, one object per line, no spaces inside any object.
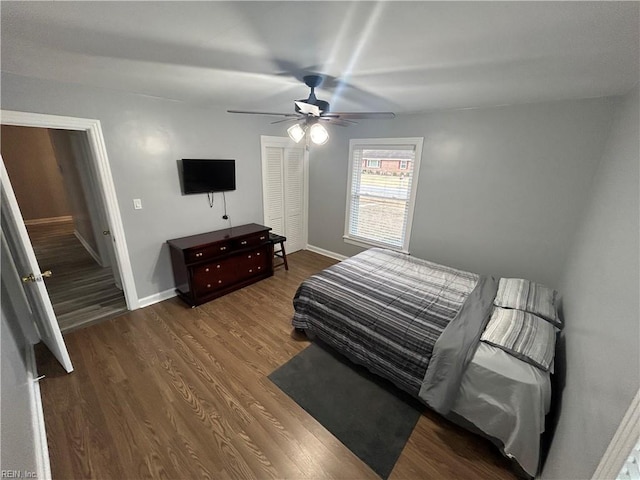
{"x":81,"y":291}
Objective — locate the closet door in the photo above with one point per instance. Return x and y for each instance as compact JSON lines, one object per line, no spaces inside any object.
{"x":284,"y":186}
{"x":294,"y":198}
{"x":273,"y":188}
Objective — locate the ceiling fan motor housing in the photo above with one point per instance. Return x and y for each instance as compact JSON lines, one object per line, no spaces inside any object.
{"x":313,"y":81}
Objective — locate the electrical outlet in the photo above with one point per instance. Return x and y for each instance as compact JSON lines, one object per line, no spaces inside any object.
{"x":137,"y":204}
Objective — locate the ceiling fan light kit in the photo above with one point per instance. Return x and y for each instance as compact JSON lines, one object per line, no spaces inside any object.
{"x":318,"y":134}
{"x":296,"y":132}
{"x":310,"y":110}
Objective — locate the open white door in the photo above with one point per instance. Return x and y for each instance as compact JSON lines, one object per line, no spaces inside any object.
{"x":15,"y":233}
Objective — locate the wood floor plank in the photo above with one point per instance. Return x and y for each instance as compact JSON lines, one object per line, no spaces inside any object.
{"x":170,"y":391}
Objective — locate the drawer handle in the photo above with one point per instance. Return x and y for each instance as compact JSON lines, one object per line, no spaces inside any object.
{"x":259,"y":268}
{"x":217,"y":266}
{"x":219,"y":281}
{"x":250,"y":270}
{"x":198,"y":254}
{"x":206,"y":269}
{"x":244,"y":242}
{"x":258,"y":254}
{"x":223,"y":248}
{"x":208,"y":285}
{"x":261,"y":238}
{"x":248,"y":256}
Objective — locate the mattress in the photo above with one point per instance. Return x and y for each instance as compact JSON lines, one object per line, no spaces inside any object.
{"x":506,"y":399}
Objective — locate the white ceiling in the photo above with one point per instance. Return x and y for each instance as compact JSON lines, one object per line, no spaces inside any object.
{"x":399,"y":56}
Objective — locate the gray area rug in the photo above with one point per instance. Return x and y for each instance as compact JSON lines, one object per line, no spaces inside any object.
{"x":368,"y":414}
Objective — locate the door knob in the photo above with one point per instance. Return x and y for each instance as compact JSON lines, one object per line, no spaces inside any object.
{"x":31,"y":277}
{"x":106,"y":232}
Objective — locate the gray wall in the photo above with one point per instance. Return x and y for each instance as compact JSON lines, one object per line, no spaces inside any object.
{"x":145,"y":137}
{"x":600,"y":289}
{"x":17,"y":438}
{"x":66,"y":158}
{"x":500,"y":189}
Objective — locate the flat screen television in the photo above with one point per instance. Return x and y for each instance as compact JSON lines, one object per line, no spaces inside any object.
{"x":204,"y":176}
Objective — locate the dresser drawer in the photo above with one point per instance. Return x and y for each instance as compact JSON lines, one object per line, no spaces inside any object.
{"x":251,"y":241}
{"x":204,"y":253}
{"x":252,"y":263}
{"x":214,"y":276}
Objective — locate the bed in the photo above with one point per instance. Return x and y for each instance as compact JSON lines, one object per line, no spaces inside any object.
{"x":420,"y":325}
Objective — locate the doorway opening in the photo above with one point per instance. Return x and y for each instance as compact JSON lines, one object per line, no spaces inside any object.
{"x":89,"y":141}
{"x":50,"y":173}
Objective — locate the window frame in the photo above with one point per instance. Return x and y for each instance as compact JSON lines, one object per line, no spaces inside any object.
{"x":354,"y":143}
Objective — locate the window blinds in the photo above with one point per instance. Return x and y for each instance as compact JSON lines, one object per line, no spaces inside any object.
{"x":380,"y":193}
{"x":631,"y":468}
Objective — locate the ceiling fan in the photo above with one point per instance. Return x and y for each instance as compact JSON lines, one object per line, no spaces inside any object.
{"x":310,"y":112}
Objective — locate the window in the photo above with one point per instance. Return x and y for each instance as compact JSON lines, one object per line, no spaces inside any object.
{"x":372,"y":163}
{"x":380,"y":204}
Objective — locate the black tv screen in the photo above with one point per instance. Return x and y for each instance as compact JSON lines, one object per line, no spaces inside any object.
{"x":203,"y":176}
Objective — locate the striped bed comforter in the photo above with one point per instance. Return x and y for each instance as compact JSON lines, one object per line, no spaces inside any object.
{"x":385,"y":310}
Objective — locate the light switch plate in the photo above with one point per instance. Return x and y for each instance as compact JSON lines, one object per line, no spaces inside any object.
{"x":137,"y":204}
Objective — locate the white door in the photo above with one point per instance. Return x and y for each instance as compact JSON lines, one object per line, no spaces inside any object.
{"x":284,"y":190}
{"x":293,"y":174}
{"x":15,"y":233}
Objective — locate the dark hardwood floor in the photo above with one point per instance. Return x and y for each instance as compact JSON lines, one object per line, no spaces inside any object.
{"x":81,"y":291}
{"x":173,"y":392}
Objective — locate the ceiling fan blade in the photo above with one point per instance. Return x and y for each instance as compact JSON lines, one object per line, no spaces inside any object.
{"x":263,"y":113}
{"x":360,"y":115}
{"x":343,"y":122}
{"x":284,"y":120}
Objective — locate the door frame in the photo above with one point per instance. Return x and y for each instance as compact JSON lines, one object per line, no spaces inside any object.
{"x":286,"y":142}
{"x":104,"y":182}
{"x":622,"y":443}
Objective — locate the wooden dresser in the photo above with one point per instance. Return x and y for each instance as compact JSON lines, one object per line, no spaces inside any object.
{"x":209,"y":265}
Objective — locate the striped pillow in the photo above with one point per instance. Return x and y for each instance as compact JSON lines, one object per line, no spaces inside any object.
{"x":528,"y":296}
{"x":523,"y":335}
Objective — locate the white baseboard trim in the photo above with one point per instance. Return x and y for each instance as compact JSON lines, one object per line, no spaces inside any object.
{"x":41,"y":446}
{"x":88,"y":248}
{"x":40,"y":221}
{"x":156,"y":298}
{"x":622,"y":442}
{"x":326,"y":253}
